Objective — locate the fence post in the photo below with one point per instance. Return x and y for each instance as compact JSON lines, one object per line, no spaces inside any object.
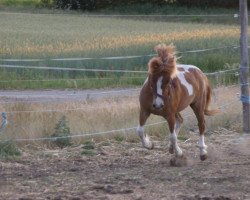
{"x":244,"y":65}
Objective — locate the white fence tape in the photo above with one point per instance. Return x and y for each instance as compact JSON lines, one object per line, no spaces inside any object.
{"x":70,"y":79}
{"x":234,"y":15}
{"x":70,"y":69}
{"x":204,"y":15}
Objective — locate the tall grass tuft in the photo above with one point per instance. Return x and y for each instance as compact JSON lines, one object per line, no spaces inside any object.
{"x":62,"y":133}
{"x":8,"y":149}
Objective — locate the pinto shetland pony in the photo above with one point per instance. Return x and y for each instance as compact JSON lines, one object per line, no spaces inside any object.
{"x":169,"y":89}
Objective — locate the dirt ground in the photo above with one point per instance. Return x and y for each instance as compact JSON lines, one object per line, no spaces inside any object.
{"x":124,"y":170}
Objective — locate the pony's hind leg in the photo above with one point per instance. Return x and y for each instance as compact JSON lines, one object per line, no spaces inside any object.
{"x":177,"y":127}
{"x":145,"y":139}
{"x":201,"y":123}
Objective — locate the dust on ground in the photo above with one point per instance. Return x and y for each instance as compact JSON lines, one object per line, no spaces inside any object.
{"x":124,"y":170}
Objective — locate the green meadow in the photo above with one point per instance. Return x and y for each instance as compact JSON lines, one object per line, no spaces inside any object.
{"x":59,"y":36}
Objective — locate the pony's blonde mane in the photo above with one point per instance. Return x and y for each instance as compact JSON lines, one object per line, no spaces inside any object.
{"x":165,"y":61}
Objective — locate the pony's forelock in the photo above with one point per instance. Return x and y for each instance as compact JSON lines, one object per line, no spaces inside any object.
{"x":165,"y":52}
{"x":165,"y":61}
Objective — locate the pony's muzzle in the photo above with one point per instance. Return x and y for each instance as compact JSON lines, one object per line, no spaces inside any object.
{"x":158,"y":103}
{"x":157,"y":106}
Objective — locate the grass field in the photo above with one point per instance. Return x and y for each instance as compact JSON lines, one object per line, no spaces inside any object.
{"x":46,"y":36}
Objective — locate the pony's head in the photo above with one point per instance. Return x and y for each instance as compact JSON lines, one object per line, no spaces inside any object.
{"x":161,"y":69}
{"x":164,"y":62}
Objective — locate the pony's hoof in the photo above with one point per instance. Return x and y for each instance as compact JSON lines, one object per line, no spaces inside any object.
{"x":171,"y":150}
{"x":203,"y":157}
{"x":149,"y":146}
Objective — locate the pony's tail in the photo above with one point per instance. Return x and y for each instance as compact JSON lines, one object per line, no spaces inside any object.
{"x":209,"y":98}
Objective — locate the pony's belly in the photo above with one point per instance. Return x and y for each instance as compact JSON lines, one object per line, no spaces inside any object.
{"x":184,"y":104}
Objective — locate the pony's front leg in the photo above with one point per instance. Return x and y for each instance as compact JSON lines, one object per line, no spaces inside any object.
{"x":174,"y":127}
{"x":177,"y":127}
{"x":145,"y":139}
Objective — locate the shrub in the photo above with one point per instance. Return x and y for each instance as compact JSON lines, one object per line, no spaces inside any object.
{"x":46,"y":3}
{"x":62,"y":133}
{"x":9,"y":149}
{"x":208,"y":3}
{"x":75,"y":4}
{"x":98,"y":4}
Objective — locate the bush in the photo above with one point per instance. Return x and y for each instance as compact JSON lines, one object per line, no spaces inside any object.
{"x":62,"y":133}
{"x":98,"y":4}
{"x":75,"y":4}
{"x":46,"y":3}
{"x":9,"y":149}
{"x":209,"y":3}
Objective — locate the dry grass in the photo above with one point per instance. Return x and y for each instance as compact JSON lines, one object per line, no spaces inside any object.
{"x":109,"y":114}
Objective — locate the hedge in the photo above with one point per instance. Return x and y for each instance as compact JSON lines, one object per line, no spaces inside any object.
{"x":98,"y":4}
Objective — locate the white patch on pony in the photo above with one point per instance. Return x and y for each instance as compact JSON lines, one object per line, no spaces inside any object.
{"x":187,"y":67}
{"x":159,"y":101}
{"x":144,"y":138}
{"x":181,"y":76}
{"x":147,"y":142}
{"x":173,"y":142}
{"x":140,"y":130}
{"x":202,"y":145}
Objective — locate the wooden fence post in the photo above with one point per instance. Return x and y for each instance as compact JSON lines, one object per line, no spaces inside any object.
{"x":244,"y":65}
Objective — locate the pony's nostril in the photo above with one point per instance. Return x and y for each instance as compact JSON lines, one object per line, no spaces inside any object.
{"x":154,"y":105}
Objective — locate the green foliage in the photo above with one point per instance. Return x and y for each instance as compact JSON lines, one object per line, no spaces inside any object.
{"x":9,"y":149}
{"x":208,"y":3}
{"x":87,"y":152}
{"x":98,"y":4}
{"x":19,"y":2}
{"x":88,"y":148}
{"x":46,"y":3}
{"x":62,"y":133}
{"x":88,"y":145}
{"x":27,"y":3}
{"x":119,"y":138}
